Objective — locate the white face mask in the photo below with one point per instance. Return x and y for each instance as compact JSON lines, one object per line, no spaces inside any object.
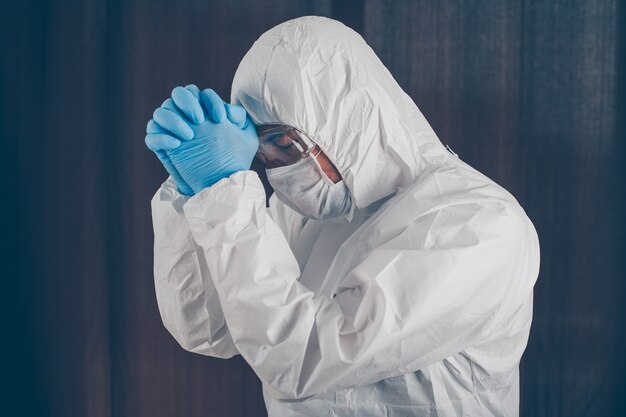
{"x":305,"y":188}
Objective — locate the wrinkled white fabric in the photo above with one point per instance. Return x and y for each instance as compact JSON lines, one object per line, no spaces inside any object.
{"x":418,"y":304}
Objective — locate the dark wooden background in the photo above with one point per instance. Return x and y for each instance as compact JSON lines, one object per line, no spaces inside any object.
{"x":530,"y":92}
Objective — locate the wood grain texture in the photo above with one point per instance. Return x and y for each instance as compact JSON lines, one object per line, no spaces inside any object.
{"x":532,"y":93}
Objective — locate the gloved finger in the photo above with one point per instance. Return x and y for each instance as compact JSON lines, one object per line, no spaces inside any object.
{"x":194,"y":90}
{"x":236,"y":114}
{"x":170,"y":105}
{"x":154,"y":127}
{"x":183,"y":187}
{"x":189,"y":104}
{"x":173,"y":123}
{"x":214,"y":105}
{"x":159,"y":141}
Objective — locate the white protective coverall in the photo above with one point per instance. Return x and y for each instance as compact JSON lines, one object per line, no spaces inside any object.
{"x":416,"y":303}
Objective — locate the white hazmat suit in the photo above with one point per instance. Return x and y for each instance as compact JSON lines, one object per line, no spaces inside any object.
{"x":418,"y":302}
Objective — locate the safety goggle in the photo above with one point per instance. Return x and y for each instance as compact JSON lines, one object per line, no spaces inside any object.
{"x":281,"y":145}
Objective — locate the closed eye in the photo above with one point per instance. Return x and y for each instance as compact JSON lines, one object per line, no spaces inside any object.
{"x":280,"y":140}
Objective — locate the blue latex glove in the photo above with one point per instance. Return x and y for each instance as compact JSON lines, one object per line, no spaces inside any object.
{"x":159,"y":140}
{"x":176,"y":113}
{"x":207,"y":151}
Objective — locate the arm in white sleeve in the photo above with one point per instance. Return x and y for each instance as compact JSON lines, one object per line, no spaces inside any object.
{"x":189,"y":306}
{"x":413,"y":301}
{"x":289,"y":222}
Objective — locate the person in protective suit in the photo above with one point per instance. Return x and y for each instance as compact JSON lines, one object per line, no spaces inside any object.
{"x":386,"y":277}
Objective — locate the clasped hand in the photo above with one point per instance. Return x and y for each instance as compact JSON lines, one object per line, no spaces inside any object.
{"x":199,"y":139}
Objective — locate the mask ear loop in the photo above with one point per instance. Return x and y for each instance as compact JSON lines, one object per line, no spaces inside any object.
{"x":319,"y":150}
{"x":311,"y":147}
{"x":311,"y":151}
{"x":325,"y":177}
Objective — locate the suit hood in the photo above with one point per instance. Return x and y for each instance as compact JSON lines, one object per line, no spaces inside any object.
{"x":320,"y":76}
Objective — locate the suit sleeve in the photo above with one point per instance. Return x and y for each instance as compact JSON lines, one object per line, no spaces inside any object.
{"x":187,"y":300}
{"x":414,"y":300}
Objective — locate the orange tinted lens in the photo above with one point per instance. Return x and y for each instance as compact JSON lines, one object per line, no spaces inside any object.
{"x":280,"y":147}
